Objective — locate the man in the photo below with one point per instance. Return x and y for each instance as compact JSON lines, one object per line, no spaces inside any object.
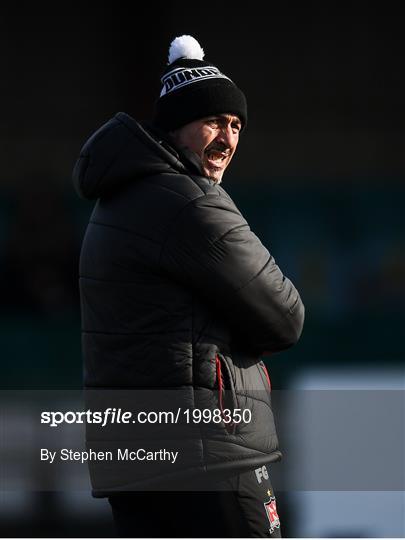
{"x":179,"y":295}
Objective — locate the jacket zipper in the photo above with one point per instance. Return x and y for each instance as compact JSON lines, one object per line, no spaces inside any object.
{"x":220,"y":383}
{"x":264,"y":368}
{"x":229,"y":426}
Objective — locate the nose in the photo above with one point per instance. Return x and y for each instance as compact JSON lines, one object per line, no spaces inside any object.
{"x":226,"y":136}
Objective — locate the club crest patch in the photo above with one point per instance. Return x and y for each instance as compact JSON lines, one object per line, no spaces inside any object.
{"x":271,"y":511}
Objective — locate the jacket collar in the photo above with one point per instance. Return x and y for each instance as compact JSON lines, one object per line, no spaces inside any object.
{"x":188,"y":158}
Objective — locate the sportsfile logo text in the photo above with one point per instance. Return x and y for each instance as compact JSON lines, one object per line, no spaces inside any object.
{"x":113,"y":415}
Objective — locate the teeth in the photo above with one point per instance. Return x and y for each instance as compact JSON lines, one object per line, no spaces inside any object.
{"x":216,"y":157}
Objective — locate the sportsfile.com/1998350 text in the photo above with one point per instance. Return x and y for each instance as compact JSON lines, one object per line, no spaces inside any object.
{"x":113,"y":415}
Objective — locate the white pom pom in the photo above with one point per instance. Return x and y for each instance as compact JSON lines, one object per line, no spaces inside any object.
{"x":185,"y":47}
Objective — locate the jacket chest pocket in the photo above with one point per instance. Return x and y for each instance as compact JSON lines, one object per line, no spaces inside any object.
{"x":227,"y":400}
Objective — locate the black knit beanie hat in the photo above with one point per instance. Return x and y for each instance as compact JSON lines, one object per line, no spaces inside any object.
{"x":193,"y":88}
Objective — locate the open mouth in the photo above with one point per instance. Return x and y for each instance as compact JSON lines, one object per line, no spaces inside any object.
{"x":216,"y":158}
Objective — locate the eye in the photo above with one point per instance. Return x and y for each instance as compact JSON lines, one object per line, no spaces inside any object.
{"x":236,"y":127}
{"x":212,"y":122}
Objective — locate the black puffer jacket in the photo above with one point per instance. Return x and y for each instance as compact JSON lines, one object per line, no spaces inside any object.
{"x":178,"y":292}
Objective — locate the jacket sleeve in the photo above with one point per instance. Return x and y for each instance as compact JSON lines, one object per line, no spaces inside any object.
{"x":211,"y":249}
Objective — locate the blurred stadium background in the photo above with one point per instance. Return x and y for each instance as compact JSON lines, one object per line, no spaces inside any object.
{"x":319,"y":175}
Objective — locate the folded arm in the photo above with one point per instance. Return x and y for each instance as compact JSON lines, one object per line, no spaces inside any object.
{"x":211,"y":248}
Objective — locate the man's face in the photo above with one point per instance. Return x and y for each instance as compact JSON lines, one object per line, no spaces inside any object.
{"x":214,"y":139}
